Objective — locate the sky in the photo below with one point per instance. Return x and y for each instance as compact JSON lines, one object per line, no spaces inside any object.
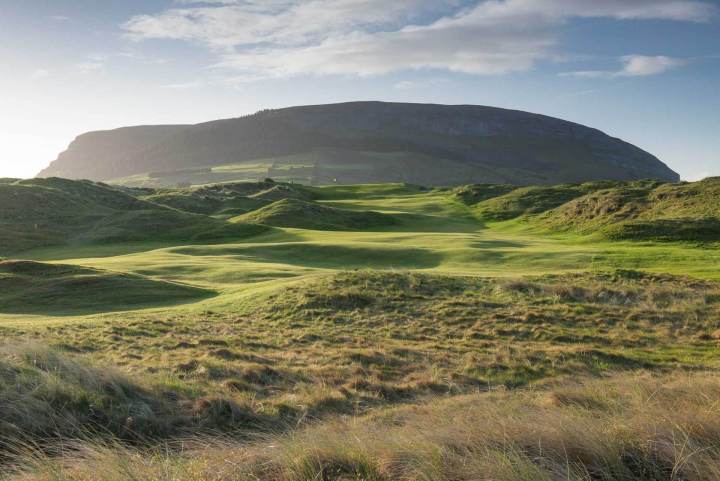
{"x":647,"y":71}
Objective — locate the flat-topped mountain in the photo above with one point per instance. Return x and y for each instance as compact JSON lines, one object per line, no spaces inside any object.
{"x":361,"y":142}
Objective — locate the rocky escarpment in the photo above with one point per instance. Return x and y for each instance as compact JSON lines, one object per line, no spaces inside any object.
{"x":439,"y":144}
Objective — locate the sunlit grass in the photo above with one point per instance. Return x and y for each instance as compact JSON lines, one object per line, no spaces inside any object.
{"x":308,"y":329}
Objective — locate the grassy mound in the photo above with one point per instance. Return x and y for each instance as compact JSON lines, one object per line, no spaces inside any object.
{"x":646,"y":211}
{"x":227,"y":199}
{"x":667,"y":230}
{"x":309,"y":215}
{"x":278,"y":191}
{"x":569,"y":323}
{"x":414,"y":334}
{"x":42,"y":212}
{"x":634,"y":428}
{"x":46,"y":395}
{"x":524,"y":200}
{"x":356,"y":341}
{"x":34,"y":287}
{"x":474,"y":193}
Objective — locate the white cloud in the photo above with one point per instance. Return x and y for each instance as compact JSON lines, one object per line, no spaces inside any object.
{"x":418,"y":84}
{"x":641,"y":65}
{"x":633,"y":66}
{"x":283,"y":22}
{"x":280,"y":38}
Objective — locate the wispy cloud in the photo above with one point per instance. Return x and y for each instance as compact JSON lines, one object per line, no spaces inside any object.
{"x":641,"y":65}
{"x":419,"y":84}
{"x":96,"y":62}
{"x":281,"y":38}
{"x":633,"y":66}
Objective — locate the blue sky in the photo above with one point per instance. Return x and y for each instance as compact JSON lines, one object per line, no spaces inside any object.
{"x":647,"y":71}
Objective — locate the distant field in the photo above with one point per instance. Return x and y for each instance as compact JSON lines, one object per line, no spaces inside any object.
{"x":350,"y":300}
{"x":333,"y":167}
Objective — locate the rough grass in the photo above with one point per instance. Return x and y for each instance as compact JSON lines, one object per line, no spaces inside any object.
{"x":227,"y":199}
{"x":527,"y":201}
{"x":475,"y":193}
{"x":632,"y":428}
{"x":646,"y":211}
{"x":352,"y":342}
{"x":640,"y":210}
{"x":309,"y":215}
{"x":47,"y":397}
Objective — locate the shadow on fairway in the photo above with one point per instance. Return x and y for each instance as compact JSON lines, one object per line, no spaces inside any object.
{"x":28,"y":287}
{"x":325,"y":255}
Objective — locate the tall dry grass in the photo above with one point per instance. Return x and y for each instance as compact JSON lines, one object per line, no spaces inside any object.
{"x":629,"y":428}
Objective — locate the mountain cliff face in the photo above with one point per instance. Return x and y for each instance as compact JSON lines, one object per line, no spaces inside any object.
{"x":372,"y":142}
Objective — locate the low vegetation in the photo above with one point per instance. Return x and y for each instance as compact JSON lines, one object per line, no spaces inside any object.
{"x":632,"y":428}
{"x":527,"y":201}
{"x":309,"y":215}
{"x":50,"y":397}
{"x":646,"y":211}
{"x":229,"y":199}
{"x":354,"y":341}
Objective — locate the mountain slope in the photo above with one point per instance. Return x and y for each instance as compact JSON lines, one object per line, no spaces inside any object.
{"x":364,"y":142}
{"x":107,"y":154}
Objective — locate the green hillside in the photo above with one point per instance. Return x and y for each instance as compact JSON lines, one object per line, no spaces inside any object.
{"x":527,"y":201}
{"x":309,"y":215}
{"x":638,"y":210}
{"x":646,"y":211}
{"x":46,"y":212}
